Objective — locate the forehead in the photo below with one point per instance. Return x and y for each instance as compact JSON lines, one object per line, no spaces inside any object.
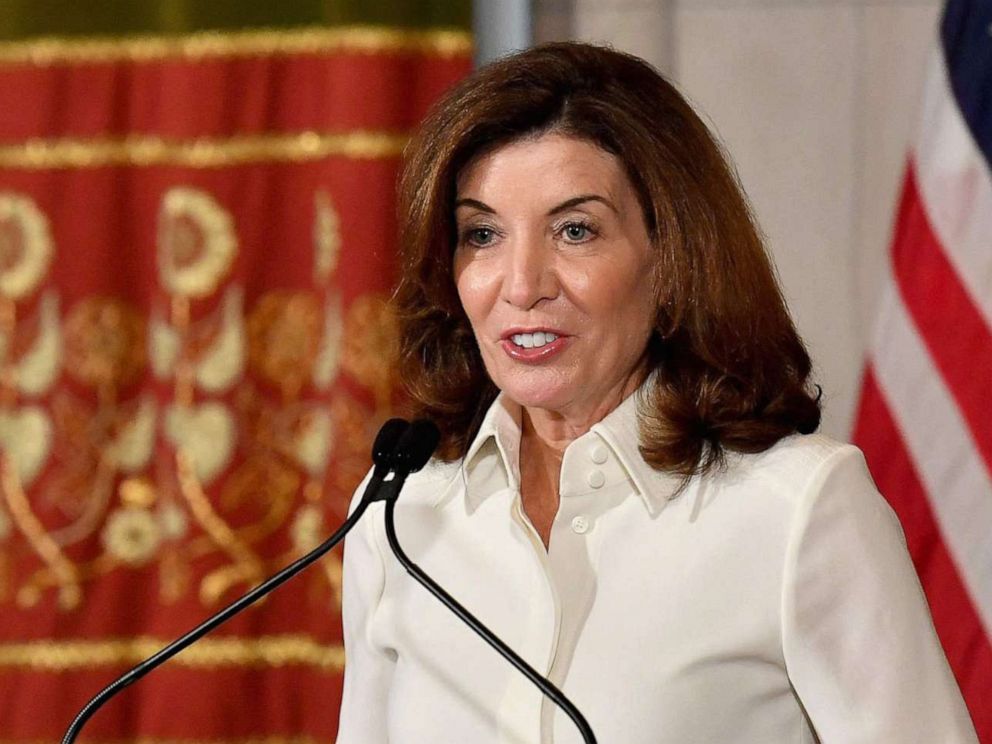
{"x":550,"y":164}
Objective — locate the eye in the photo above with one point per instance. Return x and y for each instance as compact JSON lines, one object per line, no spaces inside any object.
{"x":478,"y":236}
{"x":576,"y":232}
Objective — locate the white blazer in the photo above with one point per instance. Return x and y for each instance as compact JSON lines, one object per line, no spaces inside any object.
{"x":772,"y":602}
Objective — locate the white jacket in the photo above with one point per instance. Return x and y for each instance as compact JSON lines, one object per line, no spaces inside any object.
{"x":772,"y":602}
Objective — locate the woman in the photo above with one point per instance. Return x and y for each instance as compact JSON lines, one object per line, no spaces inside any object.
{"x":628,"y":489}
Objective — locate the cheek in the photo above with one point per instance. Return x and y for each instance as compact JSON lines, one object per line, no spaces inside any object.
{"x":473,"y":289}
{"x":624,"y":303}
{"x":614,"y":294}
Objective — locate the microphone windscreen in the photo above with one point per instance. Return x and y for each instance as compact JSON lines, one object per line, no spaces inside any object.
{"x":386,"y":440}
{"x":416,"y":446}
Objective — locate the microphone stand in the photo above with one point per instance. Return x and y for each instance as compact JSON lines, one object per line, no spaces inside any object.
{"x":556,"y":695}
{"x":412,"y":451}
{"x":210,"y":623}
{"x":400,"y":449}
{"x":382,"y":448}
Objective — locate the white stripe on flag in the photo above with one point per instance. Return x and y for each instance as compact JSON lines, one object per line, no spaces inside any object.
{"x":953,"y":473}
{"x":955,"y":186}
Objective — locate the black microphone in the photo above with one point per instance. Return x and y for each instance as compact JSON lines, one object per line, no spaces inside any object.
{"x":412,"y":452}
{"x":389,"y":436}
{"x":414,"y":448}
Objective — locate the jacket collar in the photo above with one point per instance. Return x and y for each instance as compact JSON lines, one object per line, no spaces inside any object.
{"x":493,"y":458}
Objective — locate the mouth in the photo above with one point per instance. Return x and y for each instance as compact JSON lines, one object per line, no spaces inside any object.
{"x":533,"y":345}
{"x":534,"y":340}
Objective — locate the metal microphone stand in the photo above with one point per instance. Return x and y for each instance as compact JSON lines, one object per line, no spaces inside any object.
{"x":389,"y":494}
{"x":382,"y":448}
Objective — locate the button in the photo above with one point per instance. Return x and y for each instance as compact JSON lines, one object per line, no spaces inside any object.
{"x":599,"y":454}
{"x":596,"y":479}
{"x":580,"y":525}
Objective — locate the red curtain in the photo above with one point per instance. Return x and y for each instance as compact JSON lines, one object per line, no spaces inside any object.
{"x":196,"y":249}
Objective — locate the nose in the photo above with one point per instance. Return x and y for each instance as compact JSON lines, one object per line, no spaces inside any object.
{"x":528,"y":273}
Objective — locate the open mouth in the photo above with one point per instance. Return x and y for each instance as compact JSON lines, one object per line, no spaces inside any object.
{"x":533,"y":340}
{"x":534,"y":347}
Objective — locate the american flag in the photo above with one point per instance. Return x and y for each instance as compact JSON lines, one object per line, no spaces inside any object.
{"x":925,"y":416}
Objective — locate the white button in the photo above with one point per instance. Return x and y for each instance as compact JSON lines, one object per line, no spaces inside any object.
{"x":599,"y":454}
{"x":596,"y":479}
{"x":580,"y":525}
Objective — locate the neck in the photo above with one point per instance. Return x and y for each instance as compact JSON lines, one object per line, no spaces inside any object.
{"x":544,"y":430}
{"x":543,"y":438}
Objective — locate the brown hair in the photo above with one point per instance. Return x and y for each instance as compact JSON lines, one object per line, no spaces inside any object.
{"x":733,"y":373}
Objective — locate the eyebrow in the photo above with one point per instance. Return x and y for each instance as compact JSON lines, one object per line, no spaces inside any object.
{"x":481,"y":206}
{"x":565,"y":205}
{"x":577,"y":200}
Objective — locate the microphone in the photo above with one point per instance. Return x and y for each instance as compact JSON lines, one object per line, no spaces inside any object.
{"x":415,"y":446}
{"x":411,"y":453}
{"x":386,"y":441}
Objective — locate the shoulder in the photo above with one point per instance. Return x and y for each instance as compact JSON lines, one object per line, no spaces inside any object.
{"x":423,"y":488}
{"x":794,"y":478}
{"x":820,"y":483}
{"x":434,"y":472}
{"x":426,"y":485}
{"x":794,"y":465}
{"x":431,"y":484}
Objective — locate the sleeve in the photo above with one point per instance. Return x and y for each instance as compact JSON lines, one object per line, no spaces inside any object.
{"x":860,"y":647}
{"x":368,"y":668}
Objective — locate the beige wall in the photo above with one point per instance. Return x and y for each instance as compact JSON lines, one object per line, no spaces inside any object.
{"x":816,"y":101}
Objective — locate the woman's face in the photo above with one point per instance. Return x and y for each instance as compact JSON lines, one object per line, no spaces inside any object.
{"x":555,"y":270}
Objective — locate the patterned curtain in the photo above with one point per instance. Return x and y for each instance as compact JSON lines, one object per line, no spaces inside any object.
{"x":196,"y":251}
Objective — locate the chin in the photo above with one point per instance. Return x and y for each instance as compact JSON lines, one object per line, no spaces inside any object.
{"x":535,"y":392}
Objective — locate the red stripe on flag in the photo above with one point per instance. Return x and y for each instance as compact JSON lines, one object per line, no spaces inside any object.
{"x":947,"y":319}
{"x":967,"y":647}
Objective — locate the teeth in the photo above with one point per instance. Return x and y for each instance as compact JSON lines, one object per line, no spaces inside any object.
{"x":533,"y":340}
